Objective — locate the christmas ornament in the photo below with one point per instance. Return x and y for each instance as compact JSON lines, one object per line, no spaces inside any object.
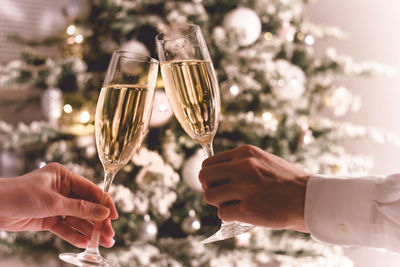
{"x":51,"y":104}
{"x":148,"y":229}
{"x":135,"y":46}
{"x":162,"y":112}
{"x":191,"y":169}
{"x":340,"y":101}
{"x":288,"y":80}
{"x":244,"y":23}
{"x":191,"y":224}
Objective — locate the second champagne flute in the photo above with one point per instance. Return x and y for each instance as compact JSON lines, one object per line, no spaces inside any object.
{"x":122,"y":117}
{"x":193,"y":93}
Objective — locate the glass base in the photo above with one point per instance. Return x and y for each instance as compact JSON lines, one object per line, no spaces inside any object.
{"x":228,"y":230}
{"x":86,"y":259}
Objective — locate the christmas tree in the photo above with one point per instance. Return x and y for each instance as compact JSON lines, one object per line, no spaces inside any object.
{"x":274,"y":91}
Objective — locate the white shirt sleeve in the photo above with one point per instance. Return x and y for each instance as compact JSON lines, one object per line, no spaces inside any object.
{"x":362,"y":211}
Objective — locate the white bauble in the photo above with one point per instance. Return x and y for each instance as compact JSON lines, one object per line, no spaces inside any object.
{"x":135,"y":46}
{"x":287,"y":80}
{"x":191,"y":169}
{"x":245,"y":23}
{"x":162,"y":112}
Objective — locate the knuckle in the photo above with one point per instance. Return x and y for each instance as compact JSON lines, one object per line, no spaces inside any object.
{"x":53,"y":166}
{"x":248,"y":150}
{"x":81,"y":207}
{"x":247,"y":163}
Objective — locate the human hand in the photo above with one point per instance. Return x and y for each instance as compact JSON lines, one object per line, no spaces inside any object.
{"x":55,"y":199}
{"x":250,"y":185}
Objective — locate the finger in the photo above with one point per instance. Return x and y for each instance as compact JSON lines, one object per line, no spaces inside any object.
{"x":229,"y":213}
{"x":83,"y":226}
{"x":106,"y":242}
{"x":218,"y":195}
{"x":220,"y":157}
{"x":82,"y":187}
{"x":216,"y":174}
{"x":82,"y":209}
{"x":107,"y":230}
{"x":65,"y":232}
{"x":110,"y":204}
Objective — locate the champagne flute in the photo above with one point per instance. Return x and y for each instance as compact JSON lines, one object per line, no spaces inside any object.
{"x":192,"y":89}
{"x":122,"y":116}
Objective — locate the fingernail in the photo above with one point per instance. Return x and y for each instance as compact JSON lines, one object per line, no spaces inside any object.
{"x":101,"y":212}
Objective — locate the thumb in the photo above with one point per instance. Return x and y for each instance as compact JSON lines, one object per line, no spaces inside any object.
{"x":85,"y":209}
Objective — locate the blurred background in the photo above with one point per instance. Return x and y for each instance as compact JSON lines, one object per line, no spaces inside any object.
{"x":371,"y":36}
{"x":79,"y":37}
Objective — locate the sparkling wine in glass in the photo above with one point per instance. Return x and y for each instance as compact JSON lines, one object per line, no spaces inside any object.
{"x":121,"y":123}
{"x":192,"y":89}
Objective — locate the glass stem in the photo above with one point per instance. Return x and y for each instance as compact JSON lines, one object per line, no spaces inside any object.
{"x":93,"y":246}
{"x":208,"y":149}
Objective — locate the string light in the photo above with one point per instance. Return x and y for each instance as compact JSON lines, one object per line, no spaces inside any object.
{"x":71,"y":29}
{"x":84,"y":117}
{"x":309,"y":40}
{"x":67,"y":108}
{"x":79,"y":38}
{"x":234,"y":89}
{"x":300,"y":36}
{"x":267,"y":116}
{"x":268,"y":36}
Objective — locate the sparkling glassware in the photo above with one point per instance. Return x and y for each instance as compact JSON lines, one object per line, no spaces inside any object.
{"x":193,"y":93}
{"x":121,"y":123}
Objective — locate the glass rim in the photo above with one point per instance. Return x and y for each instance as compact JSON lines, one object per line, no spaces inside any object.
{"x":137,"y":56}
{"x":173,"y":29}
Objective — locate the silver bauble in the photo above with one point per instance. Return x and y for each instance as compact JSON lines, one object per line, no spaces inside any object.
{"x":191,"y":224}
{"x":148,"y":229}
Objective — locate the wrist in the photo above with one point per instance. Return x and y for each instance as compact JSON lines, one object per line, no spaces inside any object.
{"x":301,"y":223}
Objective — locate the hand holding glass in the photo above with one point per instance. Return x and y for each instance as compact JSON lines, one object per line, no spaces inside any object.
{"x":192,"y":89}
{"x":122,"y":117}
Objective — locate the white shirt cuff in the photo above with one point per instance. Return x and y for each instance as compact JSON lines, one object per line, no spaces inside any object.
{"x":340,"y":210}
